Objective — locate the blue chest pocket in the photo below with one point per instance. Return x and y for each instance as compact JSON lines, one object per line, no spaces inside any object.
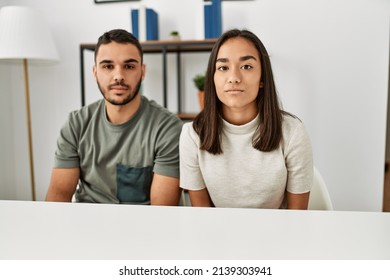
{"x":134,"y":184}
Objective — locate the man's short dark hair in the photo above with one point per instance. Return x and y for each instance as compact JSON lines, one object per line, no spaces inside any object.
{"x":119,"y":36}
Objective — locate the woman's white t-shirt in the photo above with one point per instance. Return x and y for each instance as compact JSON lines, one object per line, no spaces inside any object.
{"x":245,"y":177}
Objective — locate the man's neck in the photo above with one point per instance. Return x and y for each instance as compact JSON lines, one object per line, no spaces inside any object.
{"x":120,"y":114}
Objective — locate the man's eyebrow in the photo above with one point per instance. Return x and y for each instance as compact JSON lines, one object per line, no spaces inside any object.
{"x":107,"y":61}
{"x":131,"y":60}
{"x":242,"y":58}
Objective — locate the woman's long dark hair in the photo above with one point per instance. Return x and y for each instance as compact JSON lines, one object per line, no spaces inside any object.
{"x":208,"y":123}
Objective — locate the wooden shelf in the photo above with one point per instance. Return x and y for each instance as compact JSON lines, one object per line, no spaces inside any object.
{"x":169,"y":46}
{"x":187,"y":116}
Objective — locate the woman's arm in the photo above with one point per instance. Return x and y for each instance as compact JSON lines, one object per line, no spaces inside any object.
{"x":190,"y":173}
{"x":297,"y":201}
{"x":299,"y":164}
{"x":200,"y":198}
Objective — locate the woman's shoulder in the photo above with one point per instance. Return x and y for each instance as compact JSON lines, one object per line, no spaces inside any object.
{"x":290,"y":121}
{"x":188,"y":137}
{"x":188,"y":129}
{"x":291,"y":124}
{"x":295,"y":136}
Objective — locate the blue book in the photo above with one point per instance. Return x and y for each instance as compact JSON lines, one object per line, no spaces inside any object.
{"x":208,"y":25}
{"x":134,"y":22}
{"x":217,"y":18}
{"x":151,"y":24}
{"x":213,"y":19}
{"x":152,"y":32}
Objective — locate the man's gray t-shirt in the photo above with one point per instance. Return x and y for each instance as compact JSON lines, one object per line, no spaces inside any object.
{"x":117,"y":161}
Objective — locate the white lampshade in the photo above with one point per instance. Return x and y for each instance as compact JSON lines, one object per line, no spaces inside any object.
{"x":25,"y":35}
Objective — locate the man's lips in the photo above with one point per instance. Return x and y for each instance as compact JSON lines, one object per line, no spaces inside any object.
{"x":119,"y":88}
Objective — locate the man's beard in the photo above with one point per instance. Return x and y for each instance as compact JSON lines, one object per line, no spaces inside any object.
{"x":125,"y":101}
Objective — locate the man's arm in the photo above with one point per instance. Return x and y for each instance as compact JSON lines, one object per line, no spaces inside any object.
{"x":63,"y":184}
{"x":165,"y":190}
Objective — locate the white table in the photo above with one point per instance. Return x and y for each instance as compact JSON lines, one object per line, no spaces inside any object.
{"x":42,"y":230}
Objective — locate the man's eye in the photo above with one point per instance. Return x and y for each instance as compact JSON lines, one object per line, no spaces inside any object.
{"x":107,"y":66}
{"x":129,"y":66}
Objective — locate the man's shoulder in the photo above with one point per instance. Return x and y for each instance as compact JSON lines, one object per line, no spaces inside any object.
{"x":87,"y":110}
{"x":85,"y":114}
{"x":158,"y":112}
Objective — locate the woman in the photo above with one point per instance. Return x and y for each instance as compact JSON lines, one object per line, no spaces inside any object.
{"x":242,"y":150}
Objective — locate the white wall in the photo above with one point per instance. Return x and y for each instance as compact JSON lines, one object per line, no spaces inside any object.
{"x":6,"y":138}
{"x":330,"y":58}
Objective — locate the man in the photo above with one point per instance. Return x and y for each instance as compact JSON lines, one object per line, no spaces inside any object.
{"x":123,"y":148}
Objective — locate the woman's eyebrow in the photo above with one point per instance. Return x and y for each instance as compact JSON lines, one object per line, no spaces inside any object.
{"x":242,"y":58}
{"x":247,"y":57}
{"x":222,"y":60}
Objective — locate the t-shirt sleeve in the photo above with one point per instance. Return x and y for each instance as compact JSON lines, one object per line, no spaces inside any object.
{"x":66,"y":155}
{"x":190,"y":173}
{"x":299,"y":161}
{"x":167,"y":150}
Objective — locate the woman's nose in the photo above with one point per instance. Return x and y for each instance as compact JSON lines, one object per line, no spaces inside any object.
{"x":234,"y":78}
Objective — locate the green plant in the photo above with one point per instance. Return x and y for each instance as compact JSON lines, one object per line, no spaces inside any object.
{"x":199,"y":81}
{"x":174,"y":33}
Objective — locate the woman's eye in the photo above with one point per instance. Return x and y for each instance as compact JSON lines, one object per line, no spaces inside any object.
{"x":247,"y":67}
{"x":222,"y":68}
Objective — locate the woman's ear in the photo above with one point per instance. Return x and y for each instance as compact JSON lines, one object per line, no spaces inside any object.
{"x":261,"y":84}
{"x":143,"y":69}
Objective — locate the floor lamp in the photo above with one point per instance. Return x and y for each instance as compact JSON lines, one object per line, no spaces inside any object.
{"x":25,"y":37}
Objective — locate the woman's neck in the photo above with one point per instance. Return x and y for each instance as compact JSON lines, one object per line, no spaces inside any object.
{"x":239,"y":116}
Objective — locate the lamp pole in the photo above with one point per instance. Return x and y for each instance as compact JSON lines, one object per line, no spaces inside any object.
{"x":29,"y":134}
